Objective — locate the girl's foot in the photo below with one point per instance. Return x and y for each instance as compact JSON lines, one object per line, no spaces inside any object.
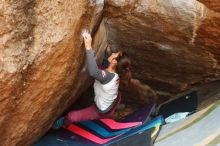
{"x":58,"y":123}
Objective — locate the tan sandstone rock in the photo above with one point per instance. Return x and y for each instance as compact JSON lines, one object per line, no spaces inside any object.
{"x":41,"y":64}
{"x":212,"y":4}
{"x":173,"y":44}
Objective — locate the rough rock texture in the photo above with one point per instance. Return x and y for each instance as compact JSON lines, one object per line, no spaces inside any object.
{"x":174,"y":45}
{"x":212,"y":4}
{"x":41,"y":57}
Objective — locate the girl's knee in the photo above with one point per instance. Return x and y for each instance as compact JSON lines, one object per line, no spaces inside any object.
{"x":71,"y":116}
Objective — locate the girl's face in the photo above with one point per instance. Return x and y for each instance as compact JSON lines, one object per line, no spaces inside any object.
{"x":113,"y":58}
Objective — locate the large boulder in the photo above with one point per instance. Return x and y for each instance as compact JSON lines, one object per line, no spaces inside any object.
{"x":174,"y":44}
{"x":41,"y":63}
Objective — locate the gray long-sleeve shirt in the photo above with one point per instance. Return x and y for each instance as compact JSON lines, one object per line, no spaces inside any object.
{"x":103,"y":76}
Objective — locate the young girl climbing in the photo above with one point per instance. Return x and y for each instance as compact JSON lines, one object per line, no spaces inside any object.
{"x":106,"y":86}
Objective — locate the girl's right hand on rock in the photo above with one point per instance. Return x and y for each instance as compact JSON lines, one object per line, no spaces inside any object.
{"x":87,"y":39}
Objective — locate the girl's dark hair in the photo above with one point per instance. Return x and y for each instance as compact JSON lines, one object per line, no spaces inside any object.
{"x":134,"y":85}
{"x":123,"y":68}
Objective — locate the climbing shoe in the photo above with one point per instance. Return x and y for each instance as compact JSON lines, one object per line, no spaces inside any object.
{"x":58,"y":123}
